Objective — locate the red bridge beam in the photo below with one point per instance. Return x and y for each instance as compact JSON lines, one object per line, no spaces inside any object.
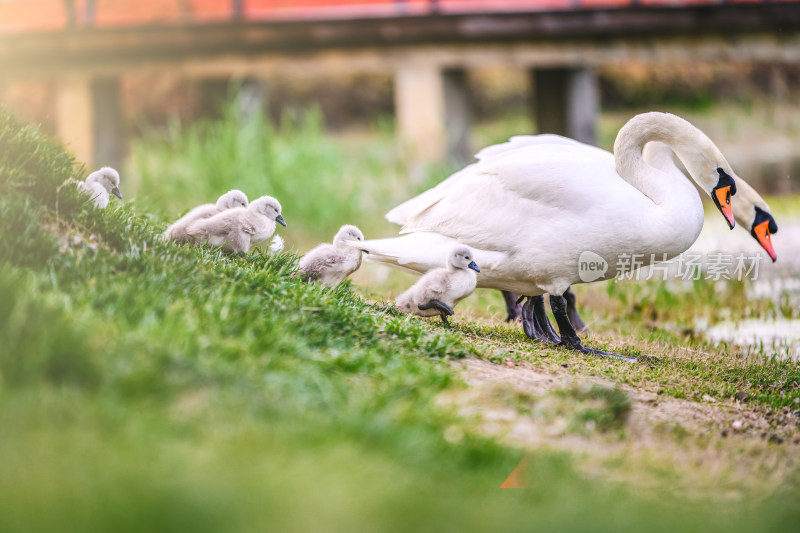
{"x":19,"y":16}
{"x":116,"y":47}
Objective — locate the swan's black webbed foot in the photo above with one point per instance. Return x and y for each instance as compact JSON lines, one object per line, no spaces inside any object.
{"x":572,"y":312}
{"x":570,"y":339}
{"x":444,"y":310}
{"x":513,"y":308}
{"x":578,"y":347}
{"x":535,"y":322}
{"x":540,"y":313}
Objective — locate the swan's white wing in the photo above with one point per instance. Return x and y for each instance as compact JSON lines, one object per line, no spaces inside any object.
{"x":403,"y":212}
{"x":500,"y":204}
{"x":523,"y":141}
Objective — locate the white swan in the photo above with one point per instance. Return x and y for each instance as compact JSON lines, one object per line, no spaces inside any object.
{"x":177,"y":230}
{"x":99,"y":185}
{"x":332,"y":263}
{"x":438,"y":291}
{"x":237,"y":229}
{"x":530,"y":213}
{"x":750,"y":210}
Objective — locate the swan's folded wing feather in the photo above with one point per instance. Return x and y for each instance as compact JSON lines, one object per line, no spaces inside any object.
{"x":512,"y":198}
{"x":495,"y":160}
{"x":524,"y":141}
{"x":404,"y":211}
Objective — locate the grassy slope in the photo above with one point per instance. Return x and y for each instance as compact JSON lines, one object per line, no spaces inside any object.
{"x":144,"y":385}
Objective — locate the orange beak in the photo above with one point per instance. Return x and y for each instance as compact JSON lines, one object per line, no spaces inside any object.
{"x":722,"y":195}
{"x":762,"y":235}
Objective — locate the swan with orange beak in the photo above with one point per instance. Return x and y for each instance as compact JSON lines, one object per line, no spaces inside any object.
{"x":721,"y":195}
{"x":753,"y":213}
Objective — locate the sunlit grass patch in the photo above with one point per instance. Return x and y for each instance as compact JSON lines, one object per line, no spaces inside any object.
{"x":145,"y":385}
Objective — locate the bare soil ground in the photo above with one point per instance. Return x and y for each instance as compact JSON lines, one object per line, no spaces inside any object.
{"x":724,"y":448}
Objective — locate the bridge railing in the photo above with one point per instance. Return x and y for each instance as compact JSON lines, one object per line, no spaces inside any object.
{"x":56,"y":15}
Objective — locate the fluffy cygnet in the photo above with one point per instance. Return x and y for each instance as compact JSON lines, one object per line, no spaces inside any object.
{"x":332,"y":263}
{"x":177,"y":231}
{"x":99,"y":185}
{"x":438,"y":291}
{"x":237,"y":229}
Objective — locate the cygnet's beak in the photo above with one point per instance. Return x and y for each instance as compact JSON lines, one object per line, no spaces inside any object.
{"x":473,"y":266}
{"x":115,"y":192}
{"x":279,"y":220}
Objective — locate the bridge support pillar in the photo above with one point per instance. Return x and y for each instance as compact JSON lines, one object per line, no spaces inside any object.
{"x":74,"y":116}
{"x":432,"y":112}
{"x":89,"y":119}
{"x":110,"y":134}
{"x":457,"y":116}
{"x":566,"y":102}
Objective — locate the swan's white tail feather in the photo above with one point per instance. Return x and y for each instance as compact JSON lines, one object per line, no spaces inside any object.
{"x":422,"y":251}
{"x":416,"y":252}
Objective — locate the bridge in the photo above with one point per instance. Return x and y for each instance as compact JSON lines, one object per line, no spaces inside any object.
{"x":86,"y":46}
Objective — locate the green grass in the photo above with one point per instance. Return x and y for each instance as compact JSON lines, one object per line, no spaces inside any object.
{"x":320,"y":186}
{"x":149,"y":386}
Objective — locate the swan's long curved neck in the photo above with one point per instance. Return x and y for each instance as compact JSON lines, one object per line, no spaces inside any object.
{"x":695,"y":150}
{"x":677,"y":218}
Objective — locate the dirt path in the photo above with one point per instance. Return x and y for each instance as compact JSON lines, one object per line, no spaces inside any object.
{"x":728,"y":448}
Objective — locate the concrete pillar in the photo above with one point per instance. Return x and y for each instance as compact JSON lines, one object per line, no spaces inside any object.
{"x":74,"y":116}
{"x":566,"y":102}
{"x":420,"y":110}
{"x":110,"y":133}
{"x":90,"y":121}
{"x":433,"y":112}
{"x":457,"y":116}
